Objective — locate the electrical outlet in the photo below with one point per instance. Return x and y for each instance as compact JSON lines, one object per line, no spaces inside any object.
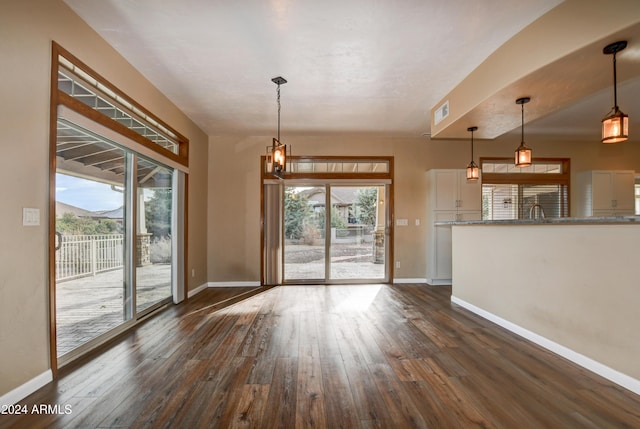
{"x":397,"y":264}
{"x":193,"y":272}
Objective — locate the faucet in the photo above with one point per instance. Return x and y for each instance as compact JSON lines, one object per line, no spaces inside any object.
{"x":533,"y":207}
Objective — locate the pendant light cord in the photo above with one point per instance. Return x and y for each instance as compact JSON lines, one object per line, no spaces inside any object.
{"x":522,"y":127}
{"x":615,"y":91}
{"x":278,"y":92}
{"x":471,"y":146}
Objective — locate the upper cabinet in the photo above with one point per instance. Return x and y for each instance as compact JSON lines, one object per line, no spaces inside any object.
{"x":450,"y":190}
{"x":606,"y":193}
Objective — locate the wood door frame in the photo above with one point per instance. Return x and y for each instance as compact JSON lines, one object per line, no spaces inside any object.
{"x":385,"y":178}
{"x":60,"y":98}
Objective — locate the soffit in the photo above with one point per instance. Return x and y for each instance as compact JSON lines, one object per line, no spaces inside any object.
{"x":563,"y":71}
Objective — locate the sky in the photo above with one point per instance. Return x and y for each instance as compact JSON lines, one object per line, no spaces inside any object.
{"x":87,"y":194}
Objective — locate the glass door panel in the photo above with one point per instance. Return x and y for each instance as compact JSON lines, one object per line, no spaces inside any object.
{"x":304,"y":233}
{"x":153,"y":234}
{"x":104,"y":256}
{"x":357,"y":233}
{"x":92,"y":293}
{"x":347,"y":243}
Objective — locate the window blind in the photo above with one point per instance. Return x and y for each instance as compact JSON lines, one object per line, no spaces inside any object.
{"x":541,"y":190}
{"x":522,"y":201}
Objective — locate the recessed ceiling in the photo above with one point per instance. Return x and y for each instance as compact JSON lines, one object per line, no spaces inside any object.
{"x":352,"y":66}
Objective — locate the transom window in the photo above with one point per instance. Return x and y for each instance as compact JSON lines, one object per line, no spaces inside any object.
{"x":502,"y":167}
{"x":540,"y":190}
{"x":100,"y":98}
{"x":82,"y":90}
{"x":339,"y":166}
{"x":316,"y":167}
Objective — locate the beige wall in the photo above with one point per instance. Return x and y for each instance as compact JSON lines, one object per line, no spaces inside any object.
{"x":576,"y":285}
{"x":234,"y":198}
{"x":234,"y":187}
{"x":26,"y":31}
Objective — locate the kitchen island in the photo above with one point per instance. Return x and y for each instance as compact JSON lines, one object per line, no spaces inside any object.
{"x":571,"y":285}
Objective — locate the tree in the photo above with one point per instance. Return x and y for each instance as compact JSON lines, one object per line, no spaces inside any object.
{"x":73,"y":225}
{"x":158,"y":212}
{"x":297,"y":212}
{"x":367,"y":202}
{"x":336,"y":220}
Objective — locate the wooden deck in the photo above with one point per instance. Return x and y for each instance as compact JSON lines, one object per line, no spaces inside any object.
{"x":89,"y":306}
{"x":360,"y":356}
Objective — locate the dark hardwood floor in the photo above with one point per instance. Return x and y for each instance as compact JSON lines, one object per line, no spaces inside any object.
{"x":329,"y":357}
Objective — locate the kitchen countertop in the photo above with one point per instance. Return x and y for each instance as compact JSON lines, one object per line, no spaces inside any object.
{"x":550,"y":221}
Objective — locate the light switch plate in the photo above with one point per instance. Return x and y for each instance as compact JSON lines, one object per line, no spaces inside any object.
{"x":402,"y":222}
{"x":30,"y":217}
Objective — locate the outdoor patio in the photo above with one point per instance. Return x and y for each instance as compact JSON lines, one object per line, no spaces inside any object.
{"x":348,"y":262}
{"x":90,"y":306}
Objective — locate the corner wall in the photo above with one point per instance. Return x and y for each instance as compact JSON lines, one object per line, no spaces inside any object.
{"x":27,"y":29}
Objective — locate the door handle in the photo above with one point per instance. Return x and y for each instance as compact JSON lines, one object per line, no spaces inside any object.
{"x":58,"y":240}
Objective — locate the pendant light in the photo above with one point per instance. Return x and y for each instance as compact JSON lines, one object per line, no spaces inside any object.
{"x":615,"y":127}
{"x":278,"y":150}
{"x":473,"y":172}
{"x":523,"y":153}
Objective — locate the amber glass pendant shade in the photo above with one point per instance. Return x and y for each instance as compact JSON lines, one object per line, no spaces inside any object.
{"x":523,"y":156}
{"x":523,"y":153}
{"x":473,"y":172}
{"x":278,"y":158}
{"x":615,"y":127}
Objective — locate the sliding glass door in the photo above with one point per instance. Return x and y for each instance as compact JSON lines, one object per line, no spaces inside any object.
{"x":91,"y":288}
{"x":153,"y":234}
{"x":304,"y":233}
{"x":357,"y":234}
{"x":334,"y":233}
{"x":114,"y":216}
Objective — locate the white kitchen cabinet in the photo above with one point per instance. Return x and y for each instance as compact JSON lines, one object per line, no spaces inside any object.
{"x":440,"y":252}
{"x":451,"y":198}
{"x":449,"y":190}
{"x":604,"y":193}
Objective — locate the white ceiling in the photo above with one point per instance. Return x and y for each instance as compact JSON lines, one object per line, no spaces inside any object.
{"x":353,"y":66}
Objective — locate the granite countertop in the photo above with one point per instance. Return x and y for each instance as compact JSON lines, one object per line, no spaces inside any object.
{"x":550,"y":221}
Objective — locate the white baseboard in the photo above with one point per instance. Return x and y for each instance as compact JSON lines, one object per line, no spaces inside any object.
{"x":21,"y":392}
{"x":403,"y":280}
{"x":197,"y":290}
{"x":200,"y":288}
{"x":439,"y":282}
{"x":233,"y":284}
{"x":610,"y":374}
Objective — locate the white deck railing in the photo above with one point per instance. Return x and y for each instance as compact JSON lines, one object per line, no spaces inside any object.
{"x":86,"y":255}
